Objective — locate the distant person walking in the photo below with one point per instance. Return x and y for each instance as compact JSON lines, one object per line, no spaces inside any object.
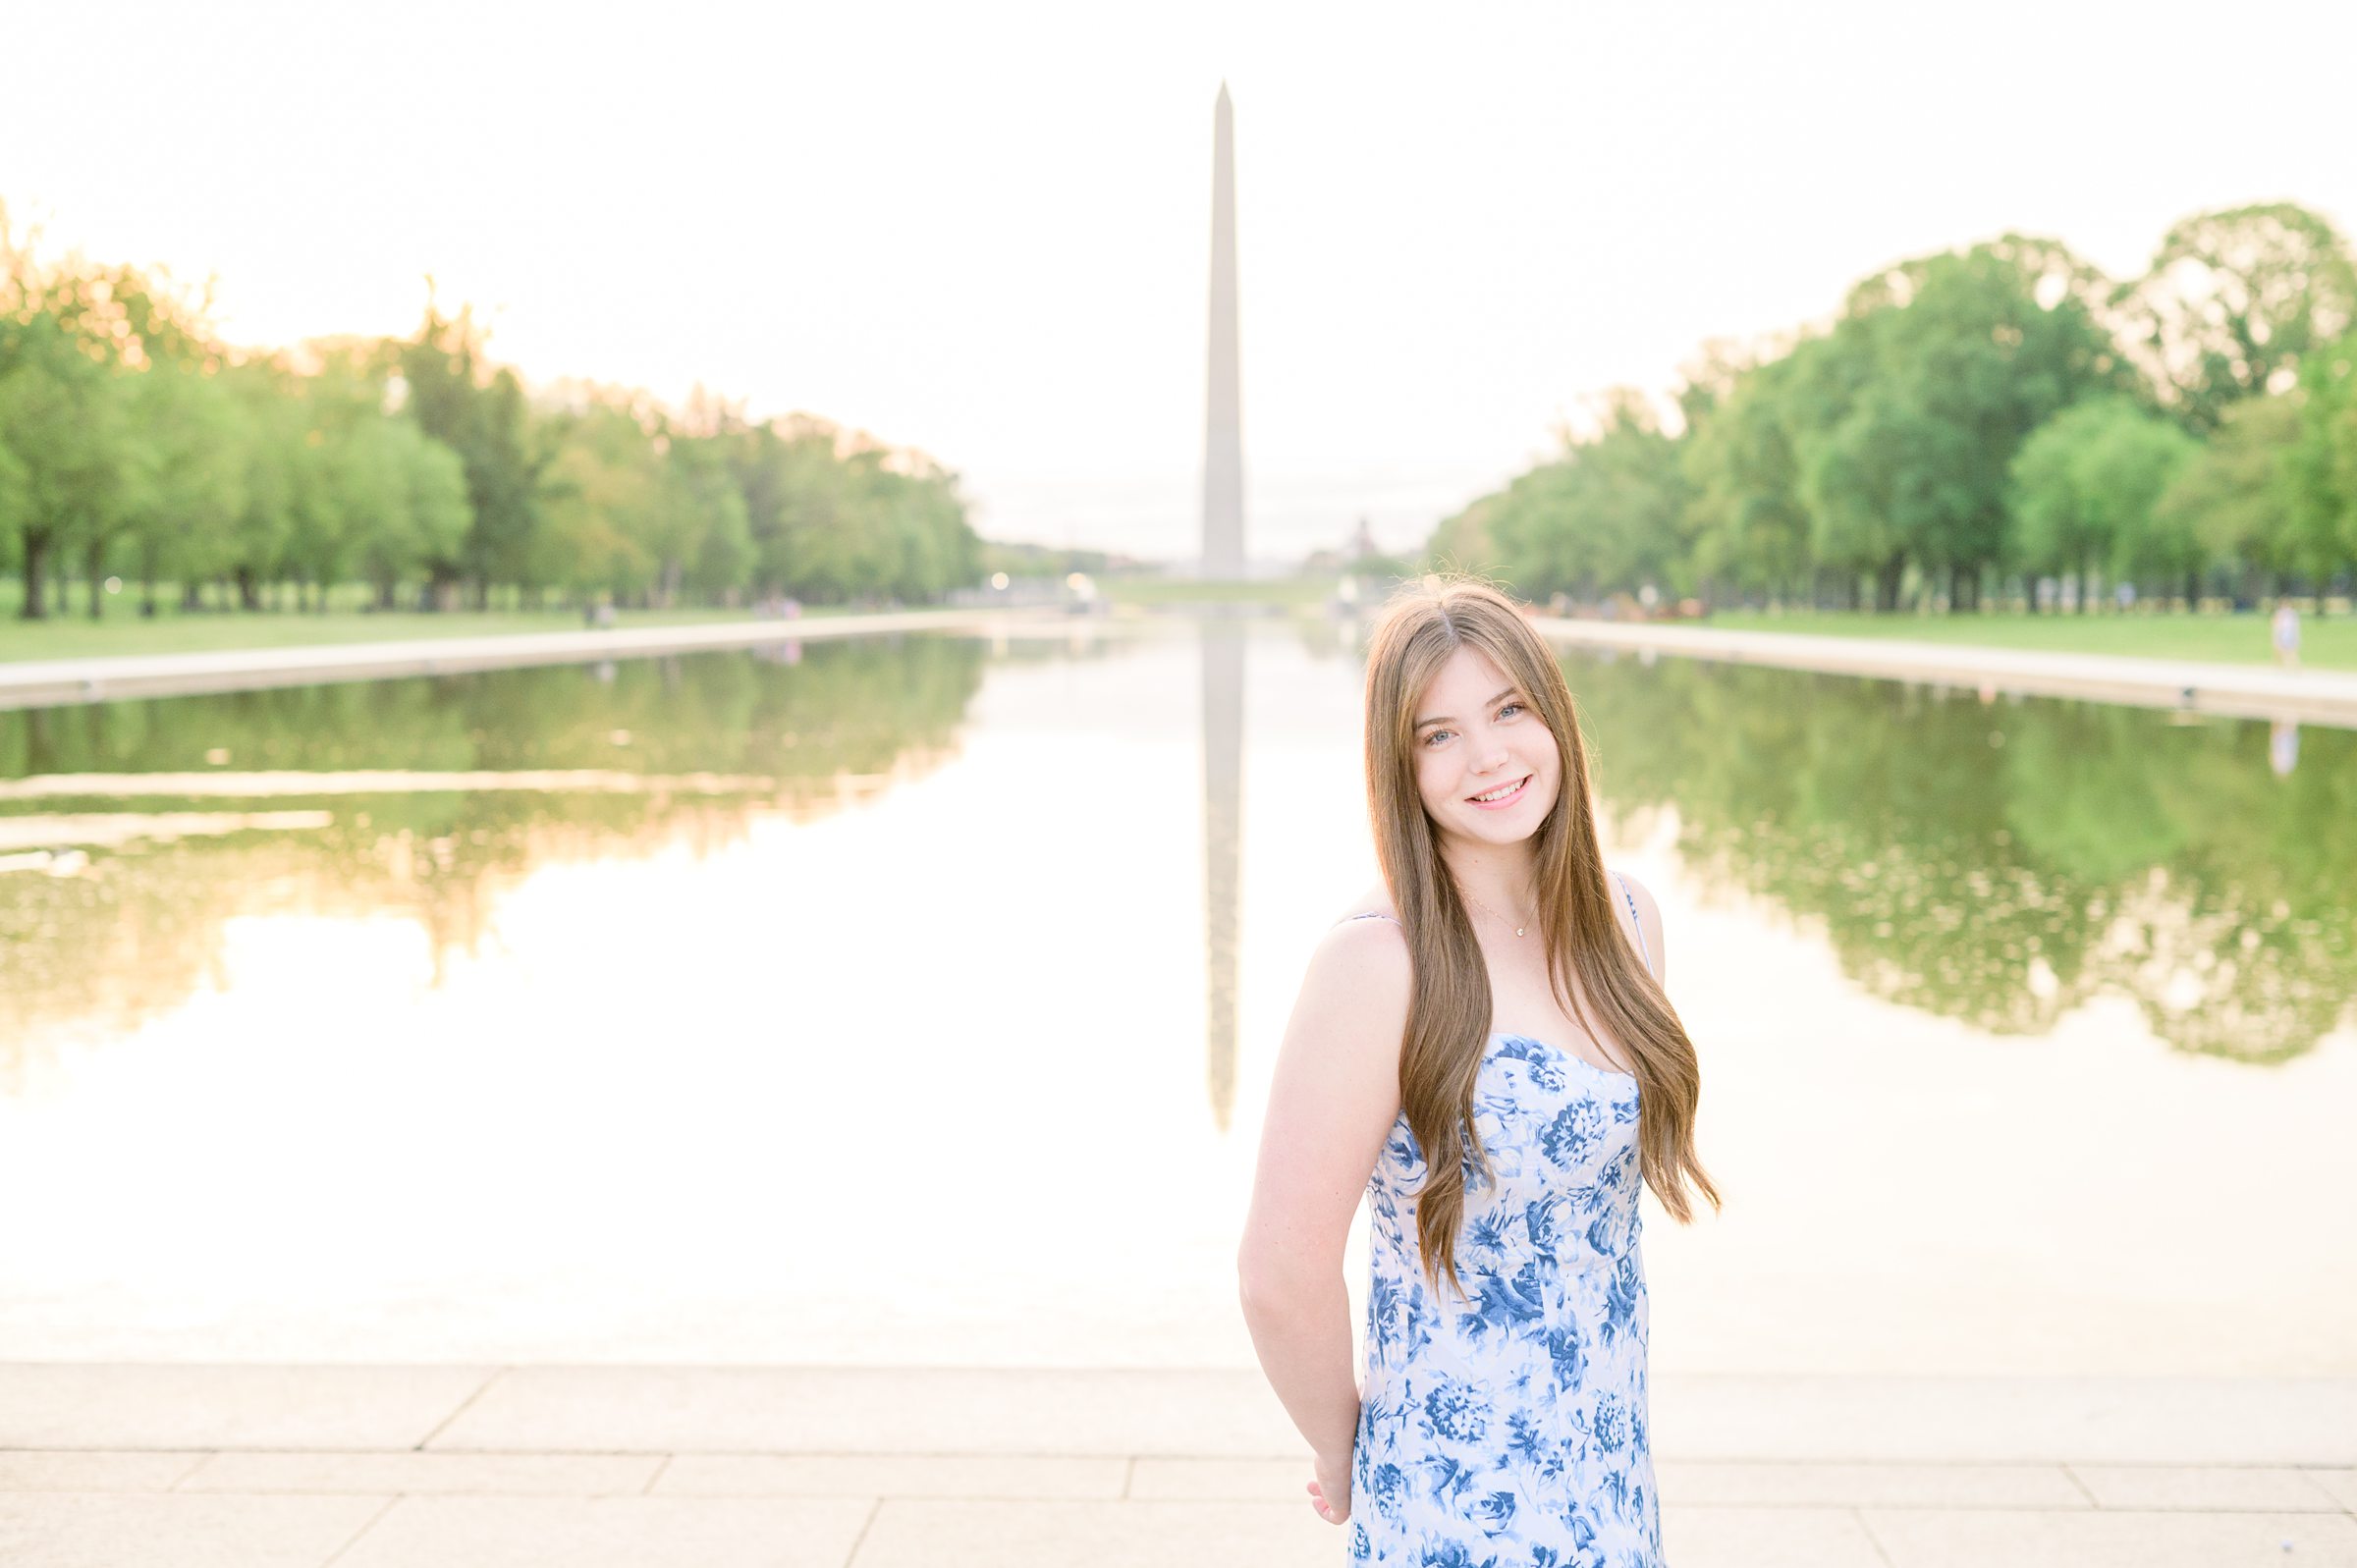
{"x":1483,"y":1048}
{"x":2288,"y":634}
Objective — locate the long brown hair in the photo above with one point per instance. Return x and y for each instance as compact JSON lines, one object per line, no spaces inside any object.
{"x":1448,"y":1010}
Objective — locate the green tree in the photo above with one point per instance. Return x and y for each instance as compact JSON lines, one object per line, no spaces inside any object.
{"x":2234,"y":495}
{"x":479,"y":412}
{"x":1749,"y":524}
{"x":2320,"y":466}
{"x":1877,"y":484}
{"x":703,"y":545}
{"x":2086,"y":490}
{"x":72,"y":332}
{"x":440,"y":511}
{"x":1608,"y":513}
{"x":1965,"y":355}
{"x":2232,"y":302}
{"x":193,"y":489}
{"x":61,"y":426}
{"x":602,"y":488}
{"x":816,"y":548}
{"x":277,"y":456}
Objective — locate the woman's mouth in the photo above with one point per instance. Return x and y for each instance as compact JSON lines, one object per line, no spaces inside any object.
{"x":1501,"y":797}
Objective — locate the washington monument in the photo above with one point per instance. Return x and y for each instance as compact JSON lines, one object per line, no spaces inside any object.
{"x":1223,"y":412}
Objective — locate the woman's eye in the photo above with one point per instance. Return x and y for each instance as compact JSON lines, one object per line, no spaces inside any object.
{"x":1432,"y":738}
{"x":1512,"y":707}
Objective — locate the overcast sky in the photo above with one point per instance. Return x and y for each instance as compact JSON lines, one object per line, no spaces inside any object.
{"x":983,"y":229}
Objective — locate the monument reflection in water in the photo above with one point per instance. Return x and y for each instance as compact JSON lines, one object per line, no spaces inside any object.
{"x":1223,"y":643}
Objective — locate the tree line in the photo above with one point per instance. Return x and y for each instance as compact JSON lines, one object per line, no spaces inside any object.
{"x":1999,"y":422}
{"x":135,"y":444}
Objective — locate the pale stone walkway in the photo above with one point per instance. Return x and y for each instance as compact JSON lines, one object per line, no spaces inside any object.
{"x":2243,"y":692}
{"x":39,"y":683}
{"x":2254,"y":692}
{"x":603,"y":1467}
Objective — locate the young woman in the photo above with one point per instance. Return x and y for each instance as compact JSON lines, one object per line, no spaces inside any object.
{"x":1485,"y":1051}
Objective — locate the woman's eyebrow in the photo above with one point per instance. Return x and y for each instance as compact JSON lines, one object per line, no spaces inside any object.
{"x":1446,"y":719}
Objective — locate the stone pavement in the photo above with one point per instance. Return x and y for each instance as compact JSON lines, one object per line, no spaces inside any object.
{"x":109,"y":1466}
{"x":46,"y":683}
{"x":2251,"y":691}
{"x":2242,"y":691}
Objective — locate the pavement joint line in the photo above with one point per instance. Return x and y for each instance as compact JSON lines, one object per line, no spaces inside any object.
{"x":374,"y":1519}
{"x":2307,"y":1473}
{"x":440,"y":1427}
{"x":1943,"y":1507}
{"x":648,"y":1490}
{"x":1130,"y":1477}
{"x":877,"y":1500}
{"x":205,"y":1457}
{"x":2307,"y":1470}
{"x":2093,"y":1501}
{"x":851,"y":1557}
{"x":1866,"y":1527}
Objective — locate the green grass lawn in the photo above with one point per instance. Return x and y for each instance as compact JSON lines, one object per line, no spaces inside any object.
{"x":2326,"y":642}
{"x":70,"y":633}
{"x":74,"y":635}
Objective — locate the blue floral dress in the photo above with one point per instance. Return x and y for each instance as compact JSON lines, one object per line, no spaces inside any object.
{"x":1509,"y":1431}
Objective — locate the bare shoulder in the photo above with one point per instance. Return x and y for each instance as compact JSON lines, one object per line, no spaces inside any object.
{"x":1648,"y":921}
{"x":1362,"y":962}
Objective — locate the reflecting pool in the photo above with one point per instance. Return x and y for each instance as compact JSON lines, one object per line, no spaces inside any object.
{"x":910,"y":1000}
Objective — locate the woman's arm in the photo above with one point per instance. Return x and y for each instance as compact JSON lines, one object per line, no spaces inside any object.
{"x":1332,"y":1103}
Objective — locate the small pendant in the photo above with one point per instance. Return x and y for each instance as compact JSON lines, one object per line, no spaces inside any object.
{"x":1518,"y":931}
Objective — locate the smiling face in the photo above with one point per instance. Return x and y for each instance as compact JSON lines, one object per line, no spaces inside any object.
{"x":1487,"y":766}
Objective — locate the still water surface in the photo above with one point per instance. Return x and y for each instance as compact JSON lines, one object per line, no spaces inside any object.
{"x":911,"y":1001}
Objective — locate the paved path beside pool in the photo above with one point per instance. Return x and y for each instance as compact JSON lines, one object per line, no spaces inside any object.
{"x":2245,"y":692}
{"x":111,"y":1466}
{"x":2258,"y":691}
{"x":41,"y":683}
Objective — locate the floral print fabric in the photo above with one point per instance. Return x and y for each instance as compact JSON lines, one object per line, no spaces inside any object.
{"x":1508,"y":1430}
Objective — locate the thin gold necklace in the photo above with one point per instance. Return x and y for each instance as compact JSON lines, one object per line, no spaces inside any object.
{"x":1494,"y":915}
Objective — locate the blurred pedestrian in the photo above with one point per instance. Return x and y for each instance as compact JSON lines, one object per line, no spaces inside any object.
{"x":2288,"y":634}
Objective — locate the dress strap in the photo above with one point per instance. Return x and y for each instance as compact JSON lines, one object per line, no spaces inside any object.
{"x":1372,"y":914}
{"x":1644,"y":949}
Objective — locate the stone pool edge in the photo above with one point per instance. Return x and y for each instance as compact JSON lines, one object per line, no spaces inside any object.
{"x":2240,"y":691}
{"x":45,"y":684}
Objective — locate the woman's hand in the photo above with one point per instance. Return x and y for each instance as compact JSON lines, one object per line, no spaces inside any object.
{"x":1329,"y":1492}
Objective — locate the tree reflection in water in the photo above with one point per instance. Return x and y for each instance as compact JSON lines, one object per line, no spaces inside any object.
{"x":137,"y":929}
{"x":2002,"y":862}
